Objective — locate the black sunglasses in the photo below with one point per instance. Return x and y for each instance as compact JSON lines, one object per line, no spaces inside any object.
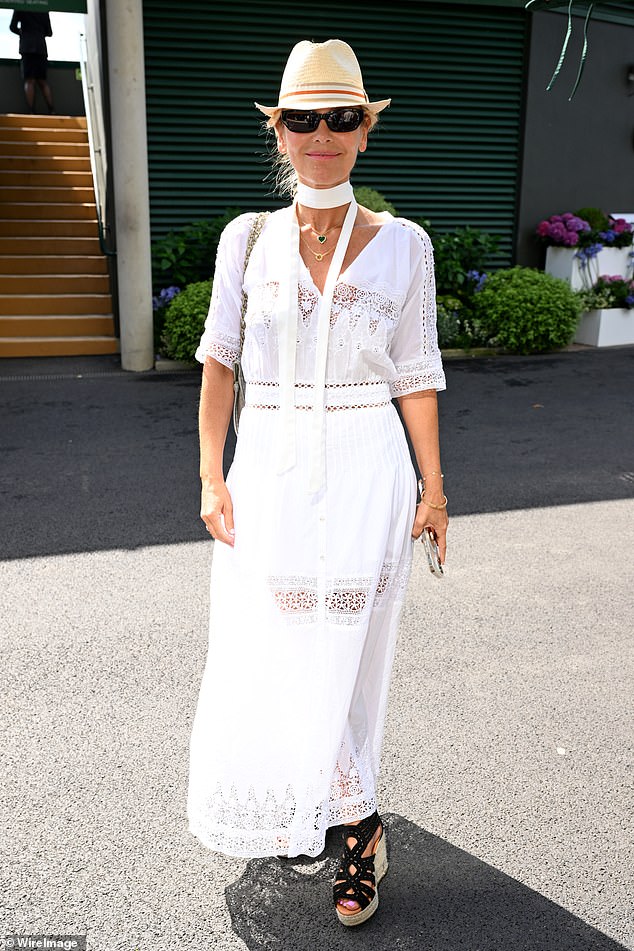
{"x":346,"y":119}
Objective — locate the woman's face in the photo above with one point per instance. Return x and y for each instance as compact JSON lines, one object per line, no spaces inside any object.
{"x":322,"y":158}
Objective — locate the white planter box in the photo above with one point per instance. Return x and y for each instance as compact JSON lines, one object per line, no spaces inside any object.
{"x":561,"y":262}
{"x":606,"y":328}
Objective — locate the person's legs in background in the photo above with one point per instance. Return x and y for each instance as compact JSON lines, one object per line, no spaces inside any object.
{"x":34,"y":72}
{"x":29,"y":93}
{"x":46,"y":92}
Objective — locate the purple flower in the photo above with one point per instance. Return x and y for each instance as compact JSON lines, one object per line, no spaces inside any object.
{"x":558,"y":231}
{"x":478,"y":279}
{"x":166,"y":294}
{"x":586,"y":254}
{"x":578,"y":224}
{"x":563,"y":230}
{"x":629,"y":300}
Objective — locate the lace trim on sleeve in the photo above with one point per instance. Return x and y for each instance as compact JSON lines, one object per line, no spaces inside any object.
{"x":421,"y":375}
{"x":222,"y":347}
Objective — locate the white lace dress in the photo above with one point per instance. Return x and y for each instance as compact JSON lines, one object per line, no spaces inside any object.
{"x":288,"y":728}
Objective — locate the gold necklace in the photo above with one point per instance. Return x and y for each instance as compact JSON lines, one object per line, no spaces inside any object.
{"x":320,"y":235}
{"x":318,"y":255}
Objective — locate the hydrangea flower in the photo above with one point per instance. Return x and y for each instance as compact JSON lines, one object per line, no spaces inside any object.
{"x":620,"y":226}
{"x":563,"y":230}
{"x":166,"y":294}
{"x":478,"y":278}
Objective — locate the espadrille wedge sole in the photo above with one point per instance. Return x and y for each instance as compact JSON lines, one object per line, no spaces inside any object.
{"x":361,"y":885}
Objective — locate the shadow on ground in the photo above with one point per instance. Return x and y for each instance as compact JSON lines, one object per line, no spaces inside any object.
{"x":93,"y":458}
{"x":434,"y":896}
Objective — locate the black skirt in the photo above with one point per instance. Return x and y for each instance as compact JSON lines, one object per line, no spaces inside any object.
{"x":33,"y":66}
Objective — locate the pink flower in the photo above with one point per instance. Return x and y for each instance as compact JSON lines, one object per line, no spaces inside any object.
{"x":543,"y":228}
{"x":621,"y":226}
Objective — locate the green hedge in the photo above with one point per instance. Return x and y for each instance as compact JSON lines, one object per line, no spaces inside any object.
{"x":184,"y":321}
{"x":527,"y":311}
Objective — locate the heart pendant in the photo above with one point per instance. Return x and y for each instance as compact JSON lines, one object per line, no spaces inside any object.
{"x":321,"y":238}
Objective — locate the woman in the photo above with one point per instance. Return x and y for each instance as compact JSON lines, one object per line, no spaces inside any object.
{"x":315,"y":522}
{"x":33,"y":28}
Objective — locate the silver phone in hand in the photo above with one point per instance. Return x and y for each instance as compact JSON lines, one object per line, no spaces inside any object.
{"x":428,"y":538}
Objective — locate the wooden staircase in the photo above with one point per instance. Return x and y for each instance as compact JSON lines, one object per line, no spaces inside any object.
{"x":55,"y":295}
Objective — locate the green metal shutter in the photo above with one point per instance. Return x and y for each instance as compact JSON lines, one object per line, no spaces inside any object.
{"x":448,"y":149}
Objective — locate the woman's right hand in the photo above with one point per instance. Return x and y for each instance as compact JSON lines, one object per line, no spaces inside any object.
{"x":216,"y":511}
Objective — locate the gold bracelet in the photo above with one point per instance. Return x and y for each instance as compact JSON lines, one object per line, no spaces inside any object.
{"x":425,"y":474}
{"x":443,"y":504}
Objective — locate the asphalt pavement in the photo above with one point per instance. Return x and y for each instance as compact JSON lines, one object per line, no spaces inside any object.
{"x":506,"y":780}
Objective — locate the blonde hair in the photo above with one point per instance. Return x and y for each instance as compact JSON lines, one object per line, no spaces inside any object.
{"x":282,"y":173}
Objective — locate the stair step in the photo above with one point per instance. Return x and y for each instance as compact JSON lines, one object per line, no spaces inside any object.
{"x":54,"y":284}
{"x":44,"y":163}
{"x":36,"y":305}
{"x":37,"y":149}
{"x":56,"y":346}
{"x":29,"y":245}
{"x":10,"y":193}
{"x":84,"y":325}
{"x":19,"y":119}
{"x":36,"y":264}
{"x":21,"y":210}
{"x":54,"y":178}
{"x":28,"y":133}
{"x":32,"y":227}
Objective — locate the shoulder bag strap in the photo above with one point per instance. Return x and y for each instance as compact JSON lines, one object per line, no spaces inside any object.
{"x":254,"y":234}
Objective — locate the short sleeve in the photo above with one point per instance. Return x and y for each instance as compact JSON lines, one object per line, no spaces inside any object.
{"x":221,"y":335}
{"x":414,"y":348}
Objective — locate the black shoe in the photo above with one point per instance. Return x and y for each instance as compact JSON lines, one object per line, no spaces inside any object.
{"x":361,"y":884}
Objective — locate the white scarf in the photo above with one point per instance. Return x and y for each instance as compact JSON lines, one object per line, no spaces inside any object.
{"x":287,"y":329}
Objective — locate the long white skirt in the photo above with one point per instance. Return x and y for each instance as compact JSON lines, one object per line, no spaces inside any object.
{"x":288,"y":729}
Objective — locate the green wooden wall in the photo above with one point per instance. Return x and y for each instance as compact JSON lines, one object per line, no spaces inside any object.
{"x":448,"y":148}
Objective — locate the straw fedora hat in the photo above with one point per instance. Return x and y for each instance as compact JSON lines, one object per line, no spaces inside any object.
{"x":318,"y":75}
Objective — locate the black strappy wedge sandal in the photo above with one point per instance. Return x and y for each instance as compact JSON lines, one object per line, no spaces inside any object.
{"x":360,"y":885}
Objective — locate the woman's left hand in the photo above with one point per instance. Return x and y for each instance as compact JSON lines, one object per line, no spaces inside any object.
{"x":437,"y":520}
